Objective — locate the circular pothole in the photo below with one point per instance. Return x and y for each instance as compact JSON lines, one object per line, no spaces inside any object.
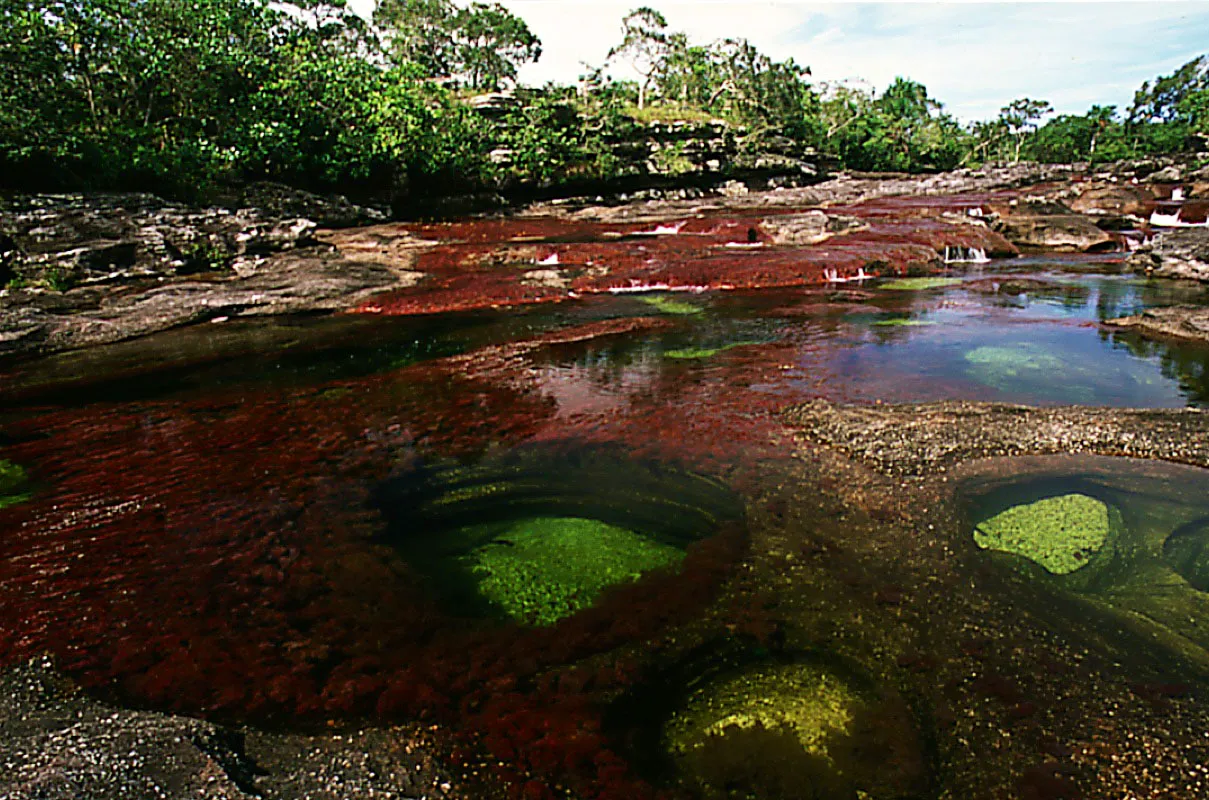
{"x":771,"y":727}
{"x":539,"y":534}
{"x":1187,"y":552}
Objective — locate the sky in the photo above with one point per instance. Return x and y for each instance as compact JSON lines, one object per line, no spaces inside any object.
{"x":975,"y":57}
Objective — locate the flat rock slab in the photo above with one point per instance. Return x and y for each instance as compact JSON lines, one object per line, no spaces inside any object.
{"x":57,"y":744}
{"x":1175,"y":322}
{"x":924,"y":439}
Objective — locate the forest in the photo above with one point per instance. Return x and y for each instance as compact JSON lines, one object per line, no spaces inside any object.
{"x":181,"y":97}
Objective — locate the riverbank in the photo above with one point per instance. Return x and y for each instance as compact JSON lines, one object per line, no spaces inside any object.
{"x":82,"y":271}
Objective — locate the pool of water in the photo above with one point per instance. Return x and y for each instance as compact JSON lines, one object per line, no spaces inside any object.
{"x":526,"y":524}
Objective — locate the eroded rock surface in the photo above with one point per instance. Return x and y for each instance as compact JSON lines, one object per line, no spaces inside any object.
{"x":1178,"y":253}
{"x":923,"y":439}
{"x":1178,"y":322}
{"x":57,"y":744}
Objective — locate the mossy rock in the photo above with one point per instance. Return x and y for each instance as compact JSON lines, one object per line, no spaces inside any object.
{"x":538,"y":571}
{"x":811,"y":727}
{"x":668,"y":305}
{"x":14,"y":484}
{"x":919,"y":284}
{"x":1187,"y":552}
{"x":1062,"y":534}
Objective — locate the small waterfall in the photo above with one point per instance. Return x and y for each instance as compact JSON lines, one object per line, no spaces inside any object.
{"x":549,"y":261}
{"x":965,"y":255}
{"x":1177,"y":194}
{"x":1160,"y":220}
{"x":833,"y":276}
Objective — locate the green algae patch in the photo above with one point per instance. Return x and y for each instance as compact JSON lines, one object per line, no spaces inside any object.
{"x":902,"y":322}
{"x":668,"y":305}
{"x":919,"y":284}
{"x":1062,"y":534}
{"x":689,"y":353}
{"x":14,"y":484}
{"x":805,"y":699}
{"x":1002,"y":366}
{"x":540,"y":570}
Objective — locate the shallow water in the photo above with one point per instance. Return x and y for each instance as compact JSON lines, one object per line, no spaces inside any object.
{"x":303,"y":521}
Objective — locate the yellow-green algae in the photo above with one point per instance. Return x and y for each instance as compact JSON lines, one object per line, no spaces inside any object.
{"x":807,"y":700}
{"x":703,"y":352}
{"x":902,"y":322}
{"x":1059,"y":533}
{"x":14,"y":484}
{"x":919,"y":284}
{"x":667,"y":305}
{"x":543,"y":569}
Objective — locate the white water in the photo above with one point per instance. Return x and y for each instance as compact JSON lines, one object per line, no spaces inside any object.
{"x":663,"y":230}
{"x":965,"y":255}
{"x":1177,"y":194}
{"x":1160,"y":220}
{"x":549,"y":261}
{"x":833,"y":276}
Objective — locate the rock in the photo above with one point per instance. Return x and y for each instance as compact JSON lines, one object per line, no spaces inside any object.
{"x":810,"y":227}
{"x":1061,"y":231}
{"x":1175,"y":253}
{"x":925,"y":439}
{"x":285,"y":202}
{"x":57,"y":744}
{"x":1113,"y":199}
{"x":66,"y":240}
{"x":1177,"y":322}
{"x":37,"y":321}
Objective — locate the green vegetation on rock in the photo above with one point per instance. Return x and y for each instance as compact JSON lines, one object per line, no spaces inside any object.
{"x":14,"y":484}
{"x":903,"y":322}
{"x":1062,"y":533}
{"x":668,"y":305}
{"x":919,"y":284}
{"x":763,"y":727}
{"x":542,"y":569}
{"x":688,"y":353}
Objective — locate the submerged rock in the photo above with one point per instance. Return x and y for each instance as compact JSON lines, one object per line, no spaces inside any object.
{"x":1062,"y":533}
{"x":14,"y":484}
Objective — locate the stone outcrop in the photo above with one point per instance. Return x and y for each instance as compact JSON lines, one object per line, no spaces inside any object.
{"x":1175,"y":253}
{"x":1050,"y":226}
{"x":925,"y":439}
{"x":72,"y":240}
{"x":57,"y":744}
{"x":811,"y":227}
{"x":1175,"y":322}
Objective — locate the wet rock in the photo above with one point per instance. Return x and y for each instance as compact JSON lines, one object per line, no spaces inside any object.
{"x":64,"y":240}
{"x":810,"y":227}
{"x":923,"y":439}
{"x":1113,"y":199}
{"x":1178,"y":253}
{"x":46,"y":322}
{"x":1178,"y":322}
{"x":1051,"y":226}
{"x":57,"y":744}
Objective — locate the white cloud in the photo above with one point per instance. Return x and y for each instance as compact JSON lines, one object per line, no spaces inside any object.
{"x":973,"y":56}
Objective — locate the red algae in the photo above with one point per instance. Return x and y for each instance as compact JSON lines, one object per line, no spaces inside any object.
{"x":540,"y":260}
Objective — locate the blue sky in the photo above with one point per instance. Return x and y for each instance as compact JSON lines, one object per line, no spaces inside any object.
{"x":974,"y":57}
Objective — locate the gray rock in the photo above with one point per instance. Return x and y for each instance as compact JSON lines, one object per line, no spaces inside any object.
{"x":57,"y":744}
{"x":810,"y":227}
{"x":1176,"y":322}
{"x":1177,"y":253}
{"x":1064,"y":232}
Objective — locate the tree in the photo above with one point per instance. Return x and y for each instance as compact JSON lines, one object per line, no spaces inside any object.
{"x":645,"y":43}
{"x":491,"y":44}
{"x":420,"y":32}
{"x":1020,"y":117}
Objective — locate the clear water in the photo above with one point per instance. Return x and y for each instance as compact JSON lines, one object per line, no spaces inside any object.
{"x":276,"y":522}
